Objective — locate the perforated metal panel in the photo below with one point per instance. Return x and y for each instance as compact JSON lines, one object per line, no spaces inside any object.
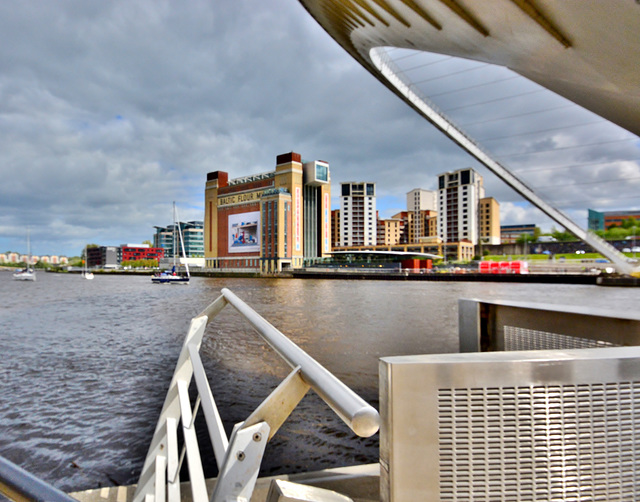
{"x":517,"y":338}
{"x":566,"y":443}
{"x":498,"y":325}
{"x":512,"y":426}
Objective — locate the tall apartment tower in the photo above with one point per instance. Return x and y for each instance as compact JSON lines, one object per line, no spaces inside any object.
{"x":459,"y":195}
{"x":358,"y":214}
{"x":419,"y":200}
{"x":317,"y":209}
{"x":335,"y":228}
{"x":489,"y":221}
{"x":390,"y":231}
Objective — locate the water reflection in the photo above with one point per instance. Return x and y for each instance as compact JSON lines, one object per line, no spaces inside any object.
{"x":86,"y":364}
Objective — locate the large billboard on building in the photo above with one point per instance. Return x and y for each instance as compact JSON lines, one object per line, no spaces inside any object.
{"x":244,"y":233}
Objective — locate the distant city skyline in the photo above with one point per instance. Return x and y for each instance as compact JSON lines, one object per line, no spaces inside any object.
{"x":113,"y":110}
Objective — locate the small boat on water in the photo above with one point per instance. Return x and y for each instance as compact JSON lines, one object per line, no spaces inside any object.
{"x":170,"y":277}
{"x":29,"y":273}
{"x":85,"y":273}
{"x":173,"y":277}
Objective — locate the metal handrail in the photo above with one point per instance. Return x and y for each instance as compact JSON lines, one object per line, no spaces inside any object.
{"x":361,"y":417}
{"x":239,"y":456}
{"x":20,"y":485}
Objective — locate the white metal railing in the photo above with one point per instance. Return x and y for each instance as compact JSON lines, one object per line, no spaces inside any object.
{"x":238,"y":457}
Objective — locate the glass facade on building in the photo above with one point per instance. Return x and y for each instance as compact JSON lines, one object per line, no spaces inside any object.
{"x":192,"y":234}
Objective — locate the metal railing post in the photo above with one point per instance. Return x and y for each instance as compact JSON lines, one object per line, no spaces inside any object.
{"x":239,"y":457}
{"x":361,"y":417}
{"x":20,"y":485}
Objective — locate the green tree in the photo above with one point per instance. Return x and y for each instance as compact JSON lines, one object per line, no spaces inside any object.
{"x":563,"y":236}
{"x":75,"y":261}
{"x":529,"y":239}
{"x":140,"y":263}
{"x":617,"y":233}
{"x":536,"y":233}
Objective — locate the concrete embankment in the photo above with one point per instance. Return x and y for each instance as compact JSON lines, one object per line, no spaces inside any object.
{"x":354,"y":274}
{"x":619,"y":281}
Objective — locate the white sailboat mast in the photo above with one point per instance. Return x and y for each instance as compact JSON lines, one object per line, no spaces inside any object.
{"x":184,"y":254}
{"x":29,"y":249}
{"x":173,"y":235}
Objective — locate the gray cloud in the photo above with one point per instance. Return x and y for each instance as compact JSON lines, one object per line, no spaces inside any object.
{"x":109,"y":111}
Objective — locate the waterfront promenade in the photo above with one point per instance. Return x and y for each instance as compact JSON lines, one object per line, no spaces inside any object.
{"x":561,"y":275}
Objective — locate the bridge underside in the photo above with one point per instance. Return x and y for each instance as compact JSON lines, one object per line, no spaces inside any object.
{"x":585,"y":50}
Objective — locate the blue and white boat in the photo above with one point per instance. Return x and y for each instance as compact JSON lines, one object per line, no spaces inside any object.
{"x":173,"y":276}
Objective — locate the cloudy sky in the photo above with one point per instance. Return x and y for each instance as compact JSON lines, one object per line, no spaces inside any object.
{"x":109,"y":111}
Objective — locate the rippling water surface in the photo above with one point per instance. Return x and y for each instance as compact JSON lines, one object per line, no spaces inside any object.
{"x":86,"y":364}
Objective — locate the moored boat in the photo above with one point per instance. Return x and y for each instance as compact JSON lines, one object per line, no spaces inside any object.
{"x":85,"y":272}
{"x":29,"y":273}
{"x":170,"y":278}
{"x":173,"y":277}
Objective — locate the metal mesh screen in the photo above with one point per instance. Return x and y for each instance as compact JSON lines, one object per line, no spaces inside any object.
{"x":516,"y":338}
{"x":537,"y":443}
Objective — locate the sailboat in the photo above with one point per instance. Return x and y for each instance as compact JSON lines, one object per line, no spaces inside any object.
{"x":29,"y":273}
{"x":85,"y":273}
{"x":173,"y":277}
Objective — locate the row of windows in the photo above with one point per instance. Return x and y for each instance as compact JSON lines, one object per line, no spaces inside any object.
{"x":358,"y":189}
{"x":465,"y":191}
{"x":356,"y":199}
{"x":244,"y":263}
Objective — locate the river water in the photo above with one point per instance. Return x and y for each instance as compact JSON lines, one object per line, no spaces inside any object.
{"x":86,"y":364}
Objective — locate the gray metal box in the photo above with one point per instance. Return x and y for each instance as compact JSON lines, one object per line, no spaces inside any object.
{"x":511,"y":426}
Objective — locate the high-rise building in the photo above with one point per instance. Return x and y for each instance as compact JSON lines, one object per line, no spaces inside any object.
{"x":489,"y":221}
{"x":358,"y":225}
{"x":192,"y":235}
{"x":390,"y":231}
{"x":406,"y":219}
{"x":425,"y":220}
{"x":271,"y":221}
{"x":459,"y":195}
{"x":104,"y":256}
{"x":421,"y":224}
{"x":316,"y":199}
{"x":163,"y":238}
{"x":418,"y":201}
{"x":335,"y":228}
